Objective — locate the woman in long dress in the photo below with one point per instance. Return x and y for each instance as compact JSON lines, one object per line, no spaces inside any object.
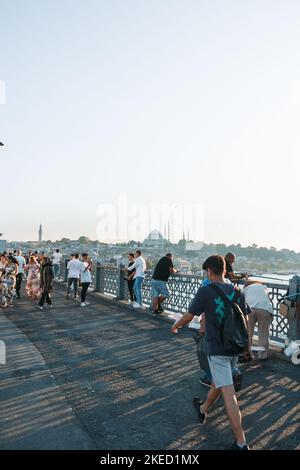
{"x":33,"y":278}
{"x":9,"y":281}
{"x":3,"y":263}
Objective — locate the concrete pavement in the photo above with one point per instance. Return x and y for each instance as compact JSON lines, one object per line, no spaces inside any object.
{"x":106,"y":377}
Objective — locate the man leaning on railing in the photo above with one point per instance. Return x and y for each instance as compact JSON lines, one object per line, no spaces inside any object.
{"x":230,"y":258}
{"x":159,"y":284}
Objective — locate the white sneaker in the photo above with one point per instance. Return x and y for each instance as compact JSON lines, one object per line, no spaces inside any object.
{"x":136,"y":305}
{"x":83,"y":304}
{"x":87,"y":303}
{"x":39,"y":307}
{"x":129,"y":302}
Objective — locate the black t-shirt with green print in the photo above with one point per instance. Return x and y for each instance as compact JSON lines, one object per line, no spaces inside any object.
{"x":209,"y":302}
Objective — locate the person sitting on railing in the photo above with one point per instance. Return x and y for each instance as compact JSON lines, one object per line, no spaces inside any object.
{"x":230,"y":258}
{"x":159,"y":283}
{"x":261,"y":314}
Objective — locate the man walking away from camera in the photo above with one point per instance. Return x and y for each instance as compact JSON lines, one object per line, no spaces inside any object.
{"x":74,"y":269}
{"x":22,"y":262}
{"x":56,"y":260}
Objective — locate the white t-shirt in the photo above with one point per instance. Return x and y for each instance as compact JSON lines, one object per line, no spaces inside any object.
{"x":56,"y":258}
{"x":257,"y":297}
{"x":21,"y":262}
{"x":74,"y":268}
{"x":140,"y":267}
{"x":85,"y":274}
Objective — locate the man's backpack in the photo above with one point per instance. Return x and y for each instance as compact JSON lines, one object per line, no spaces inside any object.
{"x":234,"y":333}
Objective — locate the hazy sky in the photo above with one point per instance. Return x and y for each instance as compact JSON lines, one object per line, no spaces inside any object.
{"x":157,"y":101}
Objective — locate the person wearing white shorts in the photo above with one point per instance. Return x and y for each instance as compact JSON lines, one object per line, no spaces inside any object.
{"x":221,"y":369}
{"x":212,"y":304}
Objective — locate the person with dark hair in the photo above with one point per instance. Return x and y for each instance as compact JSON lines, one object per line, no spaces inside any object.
{"x":130,"y":280}
{"x":46,"y":283}
{"x":206,"y":378}
{"x":210,"y":301}
{"x":230,"y":274}
{"x":85,"y":278}
{"x":27,"y":257}
{"x":74,"y":269}
{"x":22,"y":264}
{"x":56,"y":260}
{"x":140,"y":267}
{"x":159,"y":283}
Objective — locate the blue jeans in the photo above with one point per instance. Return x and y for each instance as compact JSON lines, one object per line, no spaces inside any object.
{"x":56,"y":270}
{"x":137,"y":288}
{"x":159,"y":288}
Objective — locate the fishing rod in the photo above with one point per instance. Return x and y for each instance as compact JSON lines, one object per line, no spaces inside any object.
{"x":266,"y":277}
{"x":263,"y":277}
{"x":289,"y":296}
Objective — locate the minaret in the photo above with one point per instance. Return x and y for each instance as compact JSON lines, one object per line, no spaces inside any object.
{"x":40,"y":233}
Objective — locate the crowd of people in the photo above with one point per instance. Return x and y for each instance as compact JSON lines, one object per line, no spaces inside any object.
{"x":220,"y":369}
{"x":159,"y":284}
{"x":256,"y":295}
{"x":40,"y":270}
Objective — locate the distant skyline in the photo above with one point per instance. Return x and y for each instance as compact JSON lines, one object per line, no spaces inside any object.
{"x":144,"y":237}
{"x":164,"y":102}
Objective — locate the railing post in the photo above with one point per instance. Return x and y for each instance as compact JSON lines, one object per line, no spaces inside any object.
{"x":66,"y":271}
{"x":99,"y":286}
{"x":121,"y":283}
{"x":294,"y":325}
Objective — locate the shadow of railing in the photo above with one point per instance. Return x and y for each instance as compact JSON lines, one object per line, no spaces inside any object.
{"x":131,"y":384}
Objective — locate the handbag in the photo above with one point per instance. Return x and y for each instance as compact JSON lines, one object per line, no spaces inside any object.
{"x":287,"y":309}
{"x":202,"y":352}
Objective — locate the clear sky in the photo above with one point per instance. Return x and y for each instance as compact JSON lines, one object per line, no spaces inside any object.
{"x":158,"y":101}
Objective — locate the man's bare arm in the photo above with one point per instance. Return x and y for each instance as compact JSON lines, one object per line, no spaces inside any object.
{"x":184,"y":320}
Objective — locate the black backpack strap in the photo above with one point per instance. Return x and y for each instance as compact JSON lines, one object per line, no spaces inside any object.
{"x":223,"y":295}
